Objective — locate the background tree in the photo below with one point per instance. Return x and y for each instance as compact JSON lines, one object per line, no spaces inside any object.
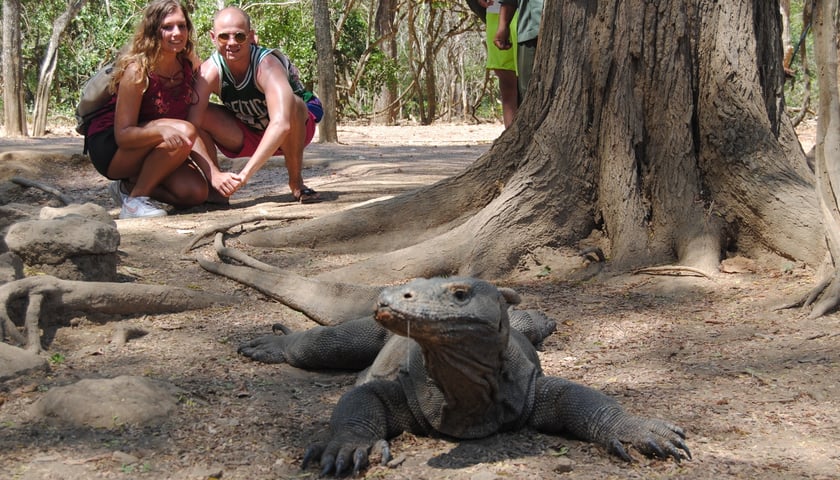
{"x":326,"y":69}
{"x":386,"y":110}
{"x":49,"y":65}
{"x":656,"y":132}
{"x":14,"y":111}
{"x":826,"y":295}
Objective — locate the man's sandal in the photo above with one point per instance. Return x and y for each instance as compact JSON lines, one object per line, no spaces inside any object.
{"x":307,"y":195}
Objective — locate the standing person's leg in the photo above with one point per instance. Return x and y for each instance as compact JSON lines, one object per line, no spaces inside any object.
{"x":509,"y":94}
{"x":525,"y":65}
{"x":503,"y":64}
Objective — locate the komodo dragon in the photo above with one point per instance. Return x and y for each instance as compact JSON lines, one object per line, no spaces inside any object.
{"x":465,"y":373}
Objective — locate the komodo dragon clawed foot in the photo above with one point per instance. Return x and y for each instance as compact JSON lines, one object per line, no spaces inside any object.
{"x":467,"y":374}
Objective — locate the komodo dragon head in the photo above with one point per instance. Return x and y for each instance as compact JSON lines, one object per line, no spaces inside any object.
{"x":456,"y":311}
{"x":462,"y":327}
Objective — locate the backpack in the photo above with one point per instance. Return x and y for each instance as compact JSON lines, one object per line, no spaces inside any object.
{"x":94,"y":98}
{"x":313,"y":103}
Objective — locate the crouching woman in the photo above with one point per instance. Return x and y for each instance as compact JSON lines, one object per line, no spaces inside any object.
{"x":144,"y":142}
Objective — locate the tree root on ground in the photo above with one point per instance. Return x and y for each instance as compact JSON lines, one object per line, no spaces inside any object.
{"x":25,"y":182}
{"x":41,"y":295}
{"x":223,"y":227}
{"x":326,"y":303}
{"x":822,"y":298}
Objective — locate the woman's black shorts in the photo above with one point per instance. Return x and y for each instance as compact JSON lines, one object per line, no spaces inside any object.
{"x":101,"y":148}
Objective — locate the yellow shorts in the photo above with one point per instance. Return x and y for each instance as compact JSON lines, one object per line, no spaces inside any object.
{"x":500,"y":59}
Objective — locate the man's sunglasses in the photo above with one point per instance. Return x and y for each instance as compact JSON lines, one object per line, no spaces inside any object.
{"x":238,"y":37}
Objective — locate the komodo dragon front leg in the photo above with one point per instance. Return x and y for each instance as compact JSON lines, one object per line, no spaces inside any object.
{"x":565,"y":407}
{"x":351,"y":345}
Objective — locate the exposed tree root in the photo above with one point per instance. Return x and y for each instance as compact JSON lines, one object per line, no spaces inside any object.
{"x":822,"y":298}
{"x":223,"y":227}
{"x":25,"y":182}
{"x":42,"y":295}
{"x":401,"y":221}
{"x":325,"y":302}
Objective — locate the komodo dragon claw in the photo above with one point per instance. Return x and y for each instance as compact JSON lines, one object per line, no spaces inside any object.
{"x":284,"y":330}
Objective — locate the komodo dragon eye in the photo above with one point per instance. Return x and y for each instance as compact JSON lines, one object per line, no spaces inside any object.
{"x":461,"y":294}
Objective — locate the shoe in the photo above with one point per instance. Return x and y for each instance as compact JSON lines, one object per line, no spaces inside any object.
{"x":307,"y":195}
{"x":116,"y":191}
{"x":140,"y":207}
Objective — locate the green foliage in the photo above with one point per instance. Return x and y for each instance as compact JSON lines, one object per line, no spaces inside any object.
{"x":362,"y":69}
{"x":57,"y":358}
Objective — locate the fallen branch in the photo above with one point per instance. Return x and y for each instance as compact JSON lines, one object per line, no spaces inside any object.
{"x":44,"y":295}
{"x":223,"y":227}
{"x":25,"y":182}
{"x":673,"y":270}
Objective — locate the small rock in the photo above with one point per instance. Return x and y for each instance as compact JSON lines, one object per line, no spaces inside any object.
{"x":738,"y":265}
{"x":15,"y":362}
{"x":564,"y":465}
{"x":109,"y":403}
{"x":124,"y":458}
{"x":396,"y":462}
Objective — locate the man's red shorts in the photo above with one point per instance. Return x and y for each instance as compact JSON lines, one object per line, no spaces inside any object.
{"x":251,"y":139}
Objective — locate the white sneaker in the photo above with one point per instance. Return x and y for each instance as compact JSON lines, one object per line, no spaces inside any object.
{"x":140,"y":207}
{"x":116,"y":191}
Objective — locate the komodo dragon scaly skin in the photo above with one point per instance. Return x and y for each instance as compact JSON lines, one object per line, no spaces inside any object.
{"x":467,"y":374}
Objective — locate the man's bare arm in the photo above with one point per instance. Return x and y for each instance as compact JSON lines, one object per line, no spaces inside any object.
{"x":280,"y":100}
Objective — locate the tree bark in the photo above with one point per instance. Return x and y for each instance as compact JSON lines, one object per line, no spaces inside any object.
{"x":324,"y":46}
{"x":387,"y":108}
{"x":48,"y":66}
{"x":658,"y":126}
{"x":826,"y":295}
{"x":14,"y":108}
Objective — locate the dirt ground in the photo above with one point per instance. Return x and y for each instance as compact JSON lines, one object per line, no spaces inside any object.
{"x":757,"y":390}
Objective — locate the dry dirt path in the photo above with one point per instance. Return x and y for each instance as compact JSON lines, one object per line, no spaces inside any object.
{"x":756,"y":389}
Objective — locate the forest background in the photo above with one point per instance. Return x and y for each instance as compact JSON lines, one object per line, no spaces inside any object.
{"x":425,"y":66}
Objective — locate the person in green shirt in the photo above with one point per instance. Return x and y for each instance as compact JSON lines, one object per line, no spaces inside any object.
{"x":527,"y":33}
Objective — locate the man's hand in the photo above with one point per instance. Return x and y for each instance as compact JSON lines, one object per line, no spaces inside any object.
{"x":227,"y":183}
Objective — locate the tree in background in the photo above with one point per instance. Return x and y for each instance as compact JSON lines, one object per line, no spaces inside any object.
{"x":49,"y":65}
{"x":14,"y":110}
{"x":325,"y":47}
{"x":826,"y":295}
{"x":370,"y":55}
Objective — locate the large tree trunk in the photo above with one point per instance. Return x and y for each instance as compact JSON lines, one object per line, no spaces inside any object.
{"x":327,"y":129}
{"x":14,"y":109}
{"x":826,"y":296}
{"x":48,"y":66}
{"x":659,"y":126}
{"x":387,"y":108}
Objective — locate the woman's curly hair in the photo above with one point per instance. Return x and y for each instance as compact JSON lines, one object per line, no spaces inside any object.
{"x":144,"y":47}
